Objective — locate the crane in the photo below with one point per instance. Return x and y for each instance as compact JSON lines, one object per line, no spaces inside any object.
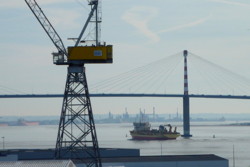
{"x":76,"y":136}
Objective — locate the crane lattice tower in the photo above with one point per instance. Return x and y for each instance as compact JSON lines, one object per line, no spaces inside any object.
{"x":77,"y":137}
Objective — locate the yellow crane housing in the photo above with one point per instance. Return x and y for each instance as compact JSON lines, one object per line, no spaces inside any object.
{"x":91,"y":54}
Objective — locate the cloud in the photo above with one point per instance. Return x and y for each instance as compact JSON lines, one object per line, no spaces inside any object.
{"x":232,"y":3}
{"x":139,"y":17}
{"x":21,"y":3}
{"x":67,"y":19}
{"x":63,"y":17}
{"x":190,"y":24}
{"x":12,"y":4}
{"x":52,"y":1}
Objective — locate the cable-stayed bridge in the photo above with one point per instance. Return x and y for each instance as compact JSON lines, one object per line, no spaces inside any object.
{"x":127,"y":95}
{"x":162,"y":78}
{"x":165,"y":78}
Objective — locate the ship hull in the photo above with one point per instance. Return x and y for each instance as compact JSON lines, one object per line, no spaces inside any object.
{"x":166,"y":136}
{"x":3,"y":124}
{"x":30,"y":123}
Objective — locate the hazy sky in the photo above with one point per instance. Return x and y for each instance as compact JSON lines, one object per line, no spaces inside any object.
{"x":141,"y":32}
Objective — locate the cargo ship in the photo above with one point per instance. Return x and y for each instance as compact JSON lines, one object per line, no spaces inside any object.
{"x":3,"y":124}
{"x":22,"y":122}
{"x":143,"y":131}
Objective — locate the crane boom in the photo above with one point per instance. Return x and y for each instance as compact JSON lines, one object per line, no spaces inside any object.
{"x":49,"y":29}
{"x":94,"y":8}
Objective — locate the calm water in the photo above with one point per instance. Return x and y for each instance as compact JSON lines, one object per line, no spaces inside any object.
{"x":117,"y":136}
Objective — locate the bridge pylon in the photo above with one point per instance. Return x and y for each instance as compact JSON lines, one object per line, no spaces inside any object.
{"x":186,"y":114}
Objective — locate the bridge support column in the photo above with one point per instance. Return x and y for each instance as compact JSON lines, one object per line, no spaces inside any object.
{"x":186,"y":117}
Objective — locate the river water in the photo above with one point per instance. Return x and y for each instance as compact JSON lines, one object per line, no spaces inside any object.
{"x":231,"y":142}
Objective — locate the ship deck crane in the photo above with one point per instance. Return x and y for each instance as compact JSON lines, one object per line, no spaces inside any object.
{"x":76,"y":133}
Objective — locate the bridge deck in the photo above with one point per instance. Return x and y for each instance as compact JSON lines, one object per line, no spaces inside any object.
{"x":128,"y":95}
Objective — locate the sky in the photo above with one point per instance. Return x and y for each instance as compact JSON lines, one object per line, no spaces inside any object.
{"x":140,"y":31}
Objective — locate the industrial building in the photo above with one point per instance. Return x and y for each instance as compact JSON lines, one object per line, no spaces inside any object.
{"x":38,"y":163}
{"x":110,"y":158}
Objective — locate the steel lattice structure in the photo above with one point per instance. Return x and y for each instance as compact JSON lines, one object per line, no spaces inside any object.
{"x":76,"y":133}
